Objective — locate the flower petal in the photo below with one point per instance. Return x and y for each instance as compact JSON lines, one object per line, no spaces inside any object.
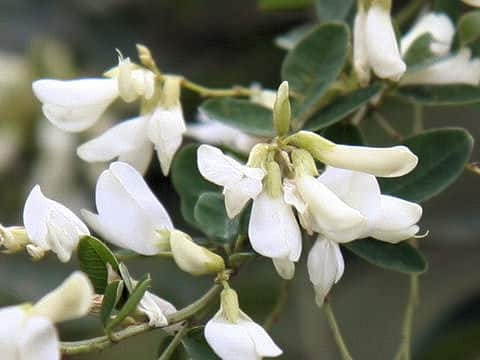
{"x":165,"y":129}
{"x":397,"y":213}
{"x":217,"y":167}
{"x":395,"y":236}
{"x":325,"y":267}
{"x":35,"y":214}
{"x":273,"y":230}
{"x":264,"y":345}
{"x":383,"y":162}
{"x":285,"y":268}
{"x":155,"y":308}
{"x":75,"y":105}
{"x":11,"y":321}
{"x":38,"y":340}
{"x":360,"y":53}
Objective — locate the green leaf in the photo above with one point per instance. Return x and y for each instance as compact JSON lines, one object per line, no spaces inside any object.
{"x":197,"y":347}
{"x":131,"y":304}
{"x":442,"y":155}
{"x":188,"y":182}
{"x":244,"y":115}
{"x":452,"y":8}
{"x":419,"y":53}
{"x":346,"y":134}
{"x":212,"y":217}
{"x":441,"y":95}
{"x":292,"y":37}
{"x":468,"y":28}
{"x":400,"y":257}
{"x":312,"y":66}
{"x":125,"y":274}
{"x":341,"y":107}
{"x":93,"y":257}
{"x":283,"y":4}
{"x":333,"y":9}
{"x":113,"y":294}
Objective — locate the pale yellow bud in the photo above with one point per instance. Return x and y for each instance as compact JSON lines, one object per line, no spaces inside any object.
{"x":313,"y":143}
{"x":145,"y":56}
{"x":13,"y":238}
{"x":281,"y":110}
{"x":171,"y":90}
{"x":273,"y":180}
{"x":258,"y":155}
{"x":229,"y":303}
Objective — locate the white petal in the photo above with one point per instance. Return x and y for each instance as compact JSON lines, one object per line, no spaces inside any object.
{"x":11,"y":322}
{"x":360,"y":53}
{"x":38,"y":341}
{"x":165,"y":129}
{"x":292,"y":197}
{"x":325,"y":267}
{"x":397,"y":213}
{"x":129,"y":213}
{"x":285,"y":268}
{"x":358,"y":190}
{"x":235,"y":201}
{"x":395,"y":236}
{"x":35,"y":214}
{"x":457,"y":69}
{"x":264,"y":345}
{"x":264,"y":97}
{"x":75,"y":105}
{"x":273,"y":230}
{"x":217,"y":167}
{"x":384,"y":162}
{"x":71,"y":300}
{"x":382,"y":47}
{"x":330,"y":212}
{"x":438,"y":25}
{"x":155,"y":308}
{"x":125,"y":138}
{"x":230,"y":341}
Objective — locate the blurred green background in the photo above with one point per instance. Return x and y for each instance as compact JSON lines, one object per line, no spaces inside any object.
{"x":219,"y":43}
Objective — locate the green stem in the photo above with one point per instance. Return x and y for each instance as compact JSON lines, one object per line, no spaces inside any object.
{"x":386,"y":126}
{"x":277,"y":309}
{"x":103,"y":342}
{"x":332,"y":322}
{"x":206,"y":91}
{"x":167,"y":354}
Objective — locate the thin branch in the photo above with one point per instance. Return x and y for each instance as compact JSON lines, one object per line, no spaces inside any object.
{"x":332,"y":322}
{"x":167,"y":354}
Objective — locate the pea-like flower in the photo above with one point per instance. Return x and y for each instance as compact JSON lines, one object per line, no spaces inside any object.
{"x":50,"y":226}
{"x":28,"y":332}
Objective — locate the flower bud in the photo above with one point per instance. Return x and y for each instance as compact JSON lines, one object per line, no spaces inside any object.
{"x":258,"y":155}
{"x":303,"y":163}
{"x":145,"y":56}
{"x":281,"y":110}
{"x":13,"y":238}
{"x":230,"y":306}
{"x":171,"y":91}
{"x":313,"y":143}
{"x":193,"y":258}
{"x":71,"y":300}
{"x":273,"y":180}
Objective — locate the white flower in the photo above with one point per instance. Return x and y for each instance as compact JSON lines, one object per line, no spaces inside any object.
{"x":439,"y":26}
{"x":133,"y":83}
{"x":129,"y":214}
{"x":215,"y":133}
{"x":28,"y":333}
{"x":51,"y":226}
{"x":133,"y":141}
{"x":325,"y":267}
{"x":456,"y":69}
{"x":274,"y":232}
{"x":360,"y":54}
{"x":243,"y":339}
{"x":379,"y":43}
{"x":156,"y":309}
{"x":240,"y":183}
{"x":264,"y":97}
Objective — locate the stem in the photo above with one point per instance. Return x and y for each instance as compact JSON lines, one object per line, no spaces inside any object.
{"x":385,"y":125}
{"x":206,"y":91}
{"x":239,"y":243}
{"x":277,"y":309}
{"x":167,"y":354}
{"x":103,"y":342}
{"x":408,"y":11}
{"x":332,"y":322}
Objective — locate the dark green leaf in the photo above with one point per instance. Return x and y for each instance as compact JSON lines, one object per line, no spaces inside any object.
{"x":452,"y":8}
{"x":291,"y":38}
{"x":442,"y":156}
{"x":131,"y":304}
{"x":341,"y":107}
{"x":196,"y":346}
{"x":469,"y":28}
{"x":188,"y":182}
{"x":441,"y":95}
{"x":112,"y":296}
{"x":212,"y":218}
{"x":125,"y":274}
{"x":333,"y":9}
{"x":312,"y":66}
{"x":93,"y":257}
{"x":346,"y":134}
{"x":283,"y":4}
{"x":400,"y":257}
{"x":419,"y":53}
{"x":244,"y":115}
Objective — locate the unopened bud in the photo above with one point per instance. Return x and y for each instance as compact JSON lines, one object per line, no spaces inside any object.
{"x":281,"y":110}
{"x":193,"y":258}
{"x":145,"y":56}
{"x":258,"y":155}
{"x":313,"y":143}
{"x":273,"y":180}
{"x":230,"y":307}
{"x":13,"y":238}
{"x":171,"y":90}
{"x":303,"y":163}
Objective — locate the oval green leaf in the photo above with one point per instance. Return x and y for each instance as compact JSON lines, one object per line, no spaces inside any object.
{"x":113,"y":294}
{"x":442,"y":155}
{"x":440,"y":95}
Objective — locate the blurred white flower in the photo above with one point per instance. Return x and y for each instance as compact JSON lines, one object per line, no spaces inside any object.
{"x":438,"y":25}
{"x":133,"y":83}
{"x":129,"y":214}
{"x":28,"y":333}
{"x":240,"y":182}
{"x":156,"y":309}
{"x":264,"y":97}
{"x":51,"y":226}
